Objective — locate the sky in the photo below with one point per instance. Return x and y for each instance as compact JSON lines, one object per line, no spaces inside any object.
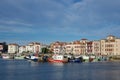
{"x":46,"y":21}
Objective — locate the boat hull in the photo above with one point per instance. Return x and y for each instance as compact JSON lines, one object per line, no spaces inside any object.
{"x":57,"y":61}
{"x":75,"y":61}
{"x":5,"y":56}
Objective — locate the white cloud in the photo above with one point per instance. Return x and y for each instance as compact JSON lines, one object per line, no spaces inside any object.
{"x":14,"y":29}
{"x":14,"y":22}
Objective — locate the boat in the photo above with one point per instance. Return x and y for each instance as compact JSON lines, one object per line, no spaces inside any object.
{"x":32,"y":57}
{"x":92,"y":58}
{"x":85,"y":58}
{"x":19,"y":57}
{"x":56,"y":58}
{"x":5,"y":56}
{"x":75,"y":60}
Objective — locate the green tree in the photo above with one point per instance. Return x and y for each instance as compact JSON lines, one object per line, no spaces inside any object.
{"x":45,"y":50}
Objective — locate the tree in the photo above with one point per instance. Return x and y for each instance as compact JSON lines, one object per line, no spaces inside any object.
{"x":45,"y":50}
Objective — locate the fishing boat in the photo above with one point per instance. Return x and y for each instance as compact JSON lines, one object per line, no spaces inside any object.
{"x":75,"y":59}
{"x":32,"y":57}
{"x":58,"y":58}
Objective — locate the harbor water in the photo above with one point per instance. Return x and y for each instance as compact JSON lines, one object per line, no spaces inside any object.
{"x":27,"y":70}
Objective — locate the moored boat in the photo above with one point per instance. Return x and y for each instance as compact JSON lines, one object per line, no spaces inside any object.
{"x":19,"y":57}
{"x":32,"y":57}
{"x":76,"y":59}
{"x":58,"y":58}
{"x":85,"y":58}
{"x":5,"y":56}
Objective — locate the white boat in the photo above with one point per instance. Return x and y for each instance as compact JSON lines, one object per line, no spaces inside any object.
{"x":5,"y":56}
{"x":85,"y":58}
{"x":58,"y":58}
{"x":32,"y":57}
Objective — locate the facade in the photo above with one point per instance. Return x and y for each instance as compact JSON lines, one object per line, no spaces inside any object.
{"x":22,"y":49}
{"x":110,"y":46}
{"x":89,"y":47}
{"x":76,"y":47}
{"x":13,"y":48}
{"x":33,"y":47}
{"x":58,"y":47}
{"x":69,"y":48}
{"x":83,"y":46}
{"x":96,"y":47}
{"x":93,"y":47}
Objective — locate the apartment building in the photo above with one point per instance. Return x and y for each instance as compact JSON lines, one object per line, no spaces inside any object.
{"x":76,"y":47}
{"x":83,"y":46}
{"x":96,"y":47}
{"x":89,"y":47}
{"x":93,"y":47}
{"x":110,"y":45}
{"x":33,"y":47}
{"x":69,"y":47}
{"x":13,"y":48}
{"x":22,"y":49}
{"x":58,"y":47}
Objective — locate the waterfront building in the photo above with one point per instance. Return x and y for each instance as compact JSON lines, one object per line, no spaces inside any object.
{"x":93,"y":47}
{"x":110,"y":46}
{"x":69,"y":48}
{"x":83,"y":46}
{"x":77,"y":47}
{"x":58,"y":47}
{"x":13,"y":48}
{"x":22,"y":49}
{"x":89,"y":47}
{"x":96,"y":47}
{"x":33,"y":47}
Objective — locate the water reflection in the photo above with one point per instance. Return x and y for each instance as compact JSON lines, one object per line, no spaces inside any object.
{"x":58,"y":64}
{"x":25,"y":70}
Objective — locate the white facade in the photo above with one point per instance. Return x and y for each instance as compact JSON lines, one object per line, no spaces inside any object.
{"x":22,"y":49}
{"x":33,"y":47}
{"x":13,"y":48}
{"x":96,"y":47}
{"x":73,"y":48}
{"x":69,"y":48}
{"x":29,"y":48}
{"x":58,"y":47}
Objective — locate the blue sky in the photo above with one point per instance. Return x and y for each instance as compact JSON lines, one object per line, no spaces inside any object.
{"x":46,"y":21}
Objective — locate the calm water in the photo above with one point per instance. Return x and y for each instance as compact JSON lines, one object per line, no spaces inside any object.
{"x":25,"y":70}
